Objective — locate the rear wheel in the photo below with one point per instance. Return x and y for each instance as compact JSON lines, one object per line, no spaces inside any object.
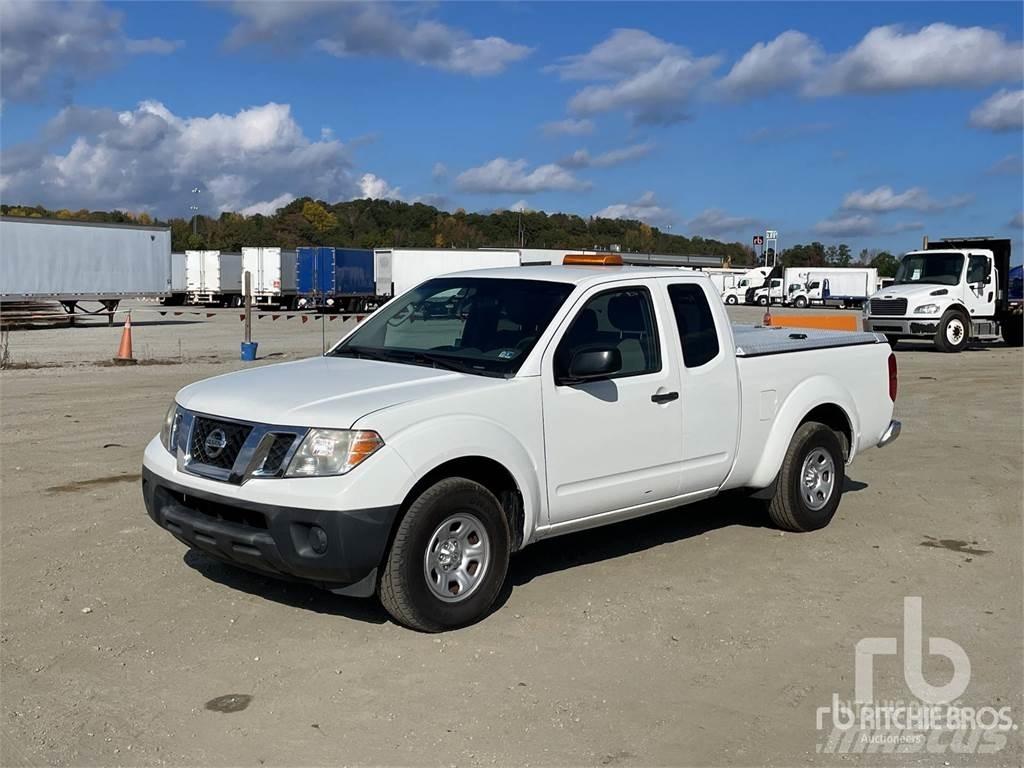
{"x":449,"y":557}
{"x":811,"y":480}
{"x":1013,"y":330}
{"x":952,"y":333}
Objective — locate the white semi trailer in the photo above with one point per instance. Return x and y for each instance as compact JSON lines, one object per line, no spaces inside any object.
{"x":73,"y":262}
{"x":213,"y":278}
{"x":396,"y":270}
{"x":273,"y":275}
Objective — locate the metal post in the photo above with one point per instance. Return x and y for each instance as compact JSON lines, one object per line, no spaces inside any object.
{"x":248,"y":307}
{"x":924,"y":242}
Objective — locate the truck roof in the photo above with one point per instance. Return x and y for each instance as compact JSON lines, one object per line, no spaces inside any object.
{"x":576,"y":274}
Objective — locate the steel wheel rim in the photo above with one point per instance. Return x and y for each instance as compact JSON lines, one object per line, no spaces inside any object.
{"x":817,"y":479}
{"x":457,"y":559}
{"x":954,"y":331}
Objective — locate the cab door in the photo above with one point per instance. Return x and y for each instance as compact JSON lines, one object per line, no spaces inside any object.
{"x":613,"y":443}
{"x":710,"y":387}
{"x":980,"y":291}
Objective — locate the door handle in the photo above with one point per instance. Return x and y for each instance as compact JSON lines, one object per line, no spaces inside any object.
{"x":667,"y":397}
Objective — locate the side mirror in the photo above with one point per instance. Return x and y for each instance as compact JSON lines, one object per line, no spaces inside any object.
{"x":592,"y":364}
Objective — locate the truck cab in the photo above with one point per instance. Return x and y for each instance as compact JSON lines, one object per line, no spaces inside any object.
{"x":951,"y":292}
{"x":770,"y":293}
{"x":752,"y":279}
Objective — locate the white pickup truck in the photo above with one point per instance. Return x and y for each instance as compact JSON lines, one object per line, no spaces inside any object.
{"x":483,"y":411}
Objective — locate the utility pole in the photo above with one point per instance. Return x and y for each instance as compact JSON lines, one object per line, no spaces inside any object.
{"x":195,"y":209}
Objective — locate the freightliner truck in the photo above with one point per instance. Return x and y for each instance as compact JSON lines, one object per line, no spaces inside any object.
{"x":952,"y":292}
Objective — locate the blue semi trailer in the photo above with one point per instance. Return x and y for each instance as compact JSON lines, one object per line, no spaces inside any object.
{"x":336,"y":279}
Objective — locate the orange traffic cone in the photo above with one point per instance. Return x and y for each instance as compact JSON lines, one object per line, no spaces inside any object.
{"x":767,"y":319}
{"x":124,"y":352}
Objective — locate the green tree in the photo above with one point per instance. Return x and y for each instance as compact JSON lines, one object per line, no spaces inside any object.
{"x":886,"y":264}
{"x":321,"y":219}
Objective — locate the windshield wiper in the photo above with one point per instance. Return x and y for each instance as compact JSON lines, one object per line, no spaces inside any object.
{"x":443,"y":361}
{"x":369,"y":353}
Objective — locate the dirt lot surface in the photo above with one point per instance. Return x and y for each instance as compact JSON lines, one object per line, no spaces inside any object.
{"x":694,"y":637}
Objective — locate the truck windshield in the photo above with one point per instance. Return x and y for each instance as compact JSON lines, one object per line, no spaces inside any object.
{"x":939,"y":267}
{"x":484,"y":326}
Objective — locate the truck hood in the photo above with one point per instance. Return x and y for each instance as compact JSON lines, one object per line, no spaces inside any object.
{"x":912,"y":292}
{"x":332,"y":392}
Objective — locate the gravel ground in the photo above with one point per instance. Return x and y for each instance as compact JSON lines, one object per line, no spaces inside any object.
{"x":699,"y":636}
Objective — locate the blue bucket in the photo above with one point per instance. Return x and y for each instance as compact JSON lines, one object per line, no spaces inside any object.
{"x":249,"y":350}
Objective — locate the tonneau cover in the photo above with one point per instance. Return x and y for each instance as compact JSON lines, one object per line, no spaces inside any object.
{"x":755,"y":340}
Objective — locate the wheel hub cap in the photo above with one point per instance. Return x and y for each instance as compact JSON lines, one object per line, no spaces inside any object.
{"x":818,"y":478}
{"x":457,"y":558}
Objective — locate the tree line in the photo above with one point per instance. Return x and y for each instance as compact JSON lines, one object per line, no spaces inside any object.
{"x":372,"y":223}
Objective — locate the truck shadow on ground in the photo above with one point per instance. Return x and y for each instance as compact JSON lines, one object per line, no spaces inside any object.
{"x":541,"y":559}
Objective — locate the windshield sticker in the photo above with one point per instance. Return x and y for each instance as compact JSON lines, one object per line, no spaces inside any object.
{"x":506,"y":354}
{"x":916,"y":275}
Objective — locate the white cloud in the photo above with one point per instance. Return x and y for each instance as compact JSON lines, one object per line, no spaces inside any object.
{"x":1011,"y":165}
{"x":581,"y":158}
{"x":847,"y":226}
{"x":646,"y":209}
{"x":371,"y":29}
{"x":149,"y":159}
{"x":373,"y":186}
{"x":1003,"y":111}
{"x":59,"y":44}
{"x":936,"y":56}
{"x":569,"y":127}
{"x":790,"y":58}
{"x":884,"y":199}
{"x":641,"y":74}
{"x":713,"y":222}
{"x":439,"y":172}
{"x":268,"y":207}
{"x":502,"y":175}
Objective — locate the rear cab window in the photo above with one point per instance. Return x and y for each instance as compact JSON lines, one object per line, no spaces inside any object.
{"x":695,"y":323}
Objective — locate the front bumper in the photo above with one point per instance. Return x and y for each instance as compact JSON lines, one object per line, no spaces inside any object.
{"x":338,"y":550}
{"x":925,"y":325}
{"x":891,"y":433}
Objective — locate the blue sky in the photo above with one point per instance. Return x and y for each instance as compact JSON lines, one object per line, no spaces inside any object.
{"x":864,"y":123}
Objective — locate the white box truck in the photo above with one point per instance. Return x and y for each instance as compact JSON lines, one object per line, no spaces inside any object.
{"x":396,"y":270}
{"x":272,"y":273}
{"x":213,"y":278}
{"x":752,"y":278}
{"x":836,"y":286}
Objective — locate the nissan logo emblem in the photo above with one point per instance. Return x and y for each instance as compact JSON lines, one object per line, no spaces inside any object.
{"x":215,"y":443}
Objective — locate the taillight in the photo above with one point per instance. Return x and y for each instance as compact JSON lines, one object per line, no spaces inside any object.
{"x":893,"y":377}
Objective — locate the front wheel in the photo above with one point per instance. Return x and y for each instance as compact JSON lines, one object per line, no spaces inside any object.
{"x":731,"y":300}
{"x":800,"y":302}
{"x":763,"y":301}
{"x":449,"y":557}
{"x":952,"y":333}
{"x":811,"y":480}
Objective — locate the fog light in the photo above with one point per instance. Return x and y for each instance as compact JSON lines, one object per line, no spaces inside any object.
{"x":318,"y":539}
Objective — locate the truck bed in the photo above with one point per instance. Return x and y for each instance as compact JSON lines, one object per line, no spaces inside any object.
{"x":756,"y":341}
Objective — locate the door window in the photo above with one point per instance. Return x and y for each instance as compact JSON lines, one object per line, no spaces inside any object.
{"x":976,"y":269}
{"x":622,"y":318}
{"x":696,"y":325}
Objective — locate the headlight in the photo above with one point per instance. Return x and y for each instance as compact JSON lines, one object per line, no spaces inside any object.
{"x":927,"y":309}
{"x":332,"y":452}
{"x":169,"y":430}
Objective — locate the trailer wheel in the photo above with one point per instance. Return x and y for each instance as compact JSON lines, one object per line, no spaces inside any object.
{"x":954,"y":330}
{"x":448,"y":559}
{"x":1013,"y":330}
{"x":811,"y":480}
{"x":731,"y":300}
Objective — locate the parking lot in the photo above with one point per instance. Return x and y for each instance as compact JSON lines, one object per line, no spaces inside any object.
{"x":699,"y":636}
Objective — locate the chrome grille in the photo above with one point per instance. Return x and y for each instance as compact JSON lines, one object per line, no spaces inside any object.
{"x":889,"y":307}
{"x":208,"y":433}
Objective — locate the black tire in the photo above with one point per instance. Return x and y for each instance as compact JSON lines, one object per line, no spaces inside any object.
{"x":953,"y":333}
{"x":731,"y":300}
{"x":893,"y":340}
{"x":763,"y":301}
{"x":800,"y":302}
{"x":1013,"y":330}
{"x":404,"y":590}
{"x":789,"y":509}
